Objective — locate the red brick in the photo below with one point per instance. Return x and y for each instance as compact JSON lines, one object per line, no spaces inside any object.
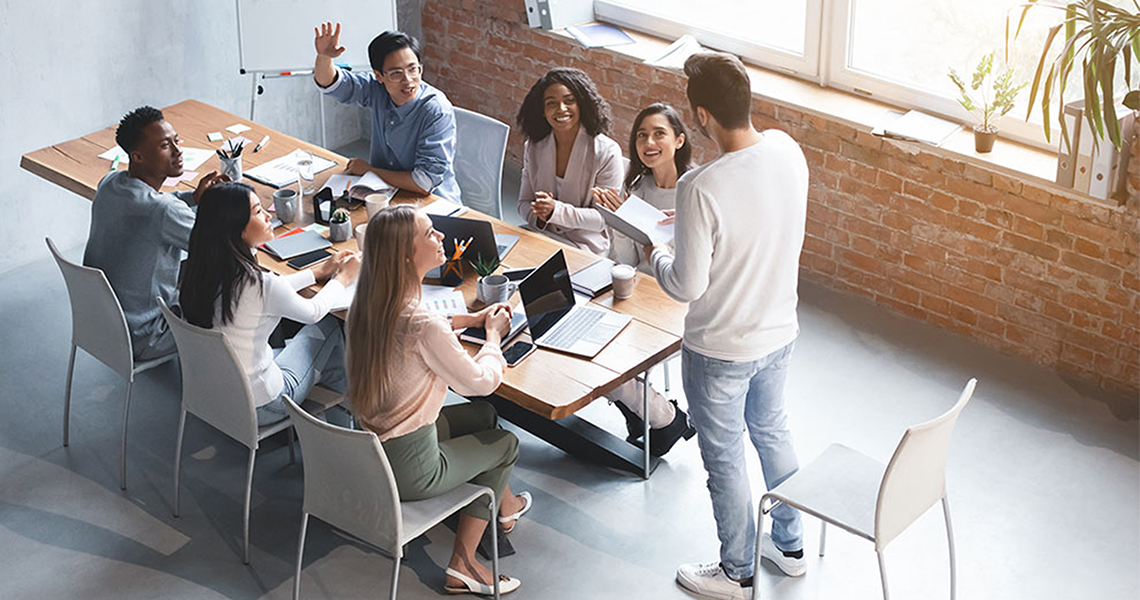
{"x":1092,"y":267}
{"x":1032,"y":210}
{"x":1090,"y":249}
{"x":1006,"y":184}
{"x":1058,"y":238}
{"x":859,"y":261}
{"x":902,"y":307}
{"x":972,"y":300}
{"x":977,"y":174}
{"x":963,"y":314}
{"x":936,"y":304}
{"x":1029,"y":229}
{"x":1090,"y":305}
{"x":1029,"y":246}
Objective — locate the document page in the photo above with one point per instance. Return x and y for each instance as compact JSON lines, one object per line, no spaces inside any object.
{"x":645,"y":217}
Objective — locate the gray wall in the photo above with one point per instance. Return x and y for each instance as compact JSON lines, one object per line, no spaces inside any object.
{"x":70,"y":67}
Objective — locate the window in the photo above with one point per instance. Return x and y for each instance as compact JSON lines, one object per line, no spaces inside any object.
{"x":898,"y":52}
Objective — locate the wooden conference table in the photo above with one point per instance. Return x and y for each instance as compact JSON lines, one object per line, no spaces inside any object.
{"x":550,"y":386}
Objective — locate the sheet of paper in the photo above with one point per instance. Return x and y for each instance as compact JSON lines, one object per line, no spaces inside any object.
{"x":317,"y":228}
{"x":345,"y":300}
{"x":339,"y":182}
{"x":215,"y":136}
{"x":645,"y":217}
{"x":919,"y":126}
{"x":237,"y":128}
{"x":677,"y":53}
{"x":185,"y":176}
{"x":443,"y":300}
{"x":444,"y":208}
{"x":112,"y":153}
{"x":192,"y":158}
{"x":283,"y":171}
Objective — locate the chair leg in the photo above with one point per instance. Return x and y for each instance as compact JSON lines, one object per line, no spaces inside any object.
{"x":300,"y":555}
{"x":665,"y":365}
{"x":495,"y":549}
{"x":883,"y":574}
{"x":67,"y":396}
{"x":395,"y":577}
{"x":245,"y":514}
{"x":178,"y":458}
{"x":950,"y":541}
{"x":292,"y":452}
{"x":756,"y":558}
{"x":645,"y":420}
{"x":822,"y":537}
{"x":123,"y":444}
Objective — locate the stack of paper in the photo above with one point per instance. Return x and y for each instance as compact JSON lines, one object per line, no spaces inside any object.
{"x":283,"y":171}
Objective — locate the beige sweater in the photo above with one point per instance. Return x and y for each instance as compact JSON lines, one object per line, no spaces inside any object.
{"x":429,"y":360}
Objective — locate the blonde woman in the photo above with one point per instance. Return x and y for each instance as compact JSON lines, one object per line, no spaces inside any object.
{"x":401,"y":360}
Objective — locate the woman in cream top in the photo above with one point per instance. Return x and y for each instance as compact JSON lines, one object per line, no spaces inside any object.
{"x":566,"y":154}
{"x":401,"y":360}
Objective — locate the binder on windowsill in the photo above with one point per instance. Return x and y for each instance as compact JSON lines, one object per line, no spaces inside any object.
{"x":1067,"y":153}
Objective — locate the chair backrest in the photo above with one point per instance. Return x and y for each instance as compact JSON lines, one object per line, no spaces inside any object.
{"x":97,"y":322}
{"x":480,"y":147}
{"x":214,"y":386}
{"x":348,"y":481}
{"x":916,"y":476}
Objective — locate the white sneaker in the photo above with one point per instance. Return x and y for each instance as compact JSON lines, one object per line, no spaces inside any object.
{"x":792,"y":567}
{"x":710,"y":580}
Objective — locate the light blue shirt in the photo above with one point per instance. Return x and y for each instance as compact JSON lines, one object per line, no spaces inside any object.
{"x":418,"y":137}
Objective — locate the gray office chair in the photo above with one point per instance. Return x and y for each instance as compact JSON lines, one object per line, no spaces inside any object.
{"x":349,"y":485}
{"x":216,"y":390}
{"x":875,"y":502}
{"x":99,"y":327}
{"x":480,"y":147}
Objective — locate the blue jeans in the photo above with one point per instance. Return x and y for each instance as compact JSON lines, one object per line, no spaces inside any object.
{"x":315,"y":354}
{"x":725,"y":399}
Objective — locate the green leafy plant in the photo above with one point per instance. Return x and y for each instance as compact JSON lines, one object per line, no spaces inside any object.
{"x":1001,"y":86}
{"x":484,"y":267}
{"x":1099,"y":38}
{"x":340,"y":215}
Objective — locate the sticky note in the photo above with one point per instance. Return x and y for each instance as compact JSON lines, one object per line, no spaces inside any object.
{"x":237,"y":128}
{"x":215,"y":136}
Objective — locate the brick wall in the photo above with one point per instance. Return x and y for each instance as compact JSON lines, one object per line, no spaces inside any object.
{"x":1012,"y":264}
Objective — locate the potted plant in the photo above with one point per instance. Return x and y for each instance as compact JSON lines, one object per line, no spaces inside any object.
{"x":340,"y":226}
{"x":1099,"y":38}
{"x":988,"y":108}
{"x":485,"y":291}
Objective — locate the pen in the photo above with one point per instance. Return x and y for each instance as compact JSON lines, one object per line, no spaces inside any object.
{"x":261,"y":144}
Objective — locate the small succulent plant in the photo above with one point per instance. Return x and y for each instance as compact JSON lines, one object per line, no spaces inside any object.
{"x":485,"y":267}
{"x":340,"y":215}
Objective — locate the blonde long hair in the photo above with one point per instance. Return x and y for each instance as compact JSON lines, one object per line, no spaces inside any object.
{"x":387,"y":283}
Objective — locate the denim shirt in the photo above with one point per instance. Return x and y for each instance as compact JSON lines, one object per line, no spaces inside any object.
{"x":418,"y":137}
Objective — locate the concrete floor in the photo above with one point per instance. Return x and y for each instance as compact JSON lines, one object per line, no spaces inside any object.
{"x":1044,"y":477}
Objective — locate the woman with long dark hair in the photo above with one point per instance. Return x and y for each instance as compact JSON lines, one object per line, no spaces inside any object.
{"x":224,"y":288}
{"x":567,"y":153}
{"x":402,"y":358}
{"x":659,"y":153}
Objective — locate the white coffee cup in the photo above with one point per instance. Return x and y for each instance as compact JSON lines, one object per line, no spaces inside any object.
{"x":359,"y":233}
{"x":624,"y":277}
{"x":374,"y":202}
{"x":285,"y":204}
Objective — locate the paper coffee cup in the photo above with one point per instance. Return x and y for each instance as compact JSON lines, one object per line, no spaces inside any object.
{"x":624,"y":277}
{"x":374,"y":202}
{"x":359,"y":233}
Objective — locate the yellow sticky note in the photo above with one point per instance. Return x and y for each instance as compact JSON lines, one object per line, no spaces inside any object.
{"x":215,"y":136}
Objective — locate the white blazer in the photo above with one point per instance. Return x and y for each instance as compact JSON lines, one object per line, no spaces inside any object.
{"x":594,"y":162}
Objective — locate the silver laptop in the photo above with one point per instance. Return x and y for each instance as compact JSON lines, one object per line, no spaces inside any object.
{"x":556,"y":322}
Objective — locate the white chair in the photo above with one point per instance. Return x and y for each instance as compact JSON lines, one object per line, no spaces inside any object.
{"x":349,"y":485}
{"x":216,"y":390}
{"x":859,"y":494}
{"x":480,"y":147}
{"x":99,"y":327}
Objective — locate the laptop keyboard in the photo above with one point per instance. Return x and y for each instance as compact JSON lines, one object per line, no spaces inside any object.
{"x":573,"y":328}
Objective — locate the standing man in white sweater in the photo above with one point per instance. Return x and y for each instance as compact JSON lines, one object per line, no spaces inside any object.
{"x":739,"y":231}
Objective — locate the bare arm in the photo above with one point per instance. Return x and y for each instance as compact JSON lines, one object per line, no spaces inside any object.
{"x":327,"y":42}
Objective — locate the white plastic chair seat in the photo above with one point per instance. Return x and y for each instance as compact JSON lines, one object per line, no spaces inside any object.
{"x":419,"y":516}
{"x":841,"y":487}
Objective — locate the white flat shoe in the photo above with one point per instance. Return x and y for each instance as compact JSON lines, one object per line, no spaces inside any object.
{"x":470,"y":586}
{"x":513,"y":519}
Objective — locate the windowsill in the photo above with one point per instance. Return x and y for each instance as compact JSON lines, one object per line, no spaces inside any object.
{"x":1009,"y":157}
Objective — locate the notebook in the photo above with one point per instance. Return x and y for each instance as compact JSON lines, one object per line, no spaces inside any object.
{"x":595,"y":279}
{"x":295,"y":244}
{"x":478,"y":335}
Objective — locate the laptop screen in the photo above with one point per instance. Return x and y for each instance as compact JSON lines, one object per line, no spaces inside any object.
{"x":547,"y":295}
{"x":482,"y":248}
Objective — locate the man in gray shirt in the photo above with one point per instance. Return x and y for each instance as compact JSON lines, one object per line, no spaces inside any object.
{"x":138,"y":232}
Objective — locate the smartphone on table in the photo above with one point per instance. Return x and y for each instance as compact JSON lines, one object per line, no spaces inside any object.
{"x":517,"y":351}
{"x":309,"y":259}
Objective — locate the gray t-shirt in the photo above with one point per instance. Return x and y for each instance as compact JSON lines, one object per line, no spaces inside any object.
{"x":137,"y":237}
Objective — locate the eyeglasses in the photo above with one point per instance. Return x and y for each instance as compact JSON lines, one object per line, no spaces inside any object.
{"x":411,"y":72}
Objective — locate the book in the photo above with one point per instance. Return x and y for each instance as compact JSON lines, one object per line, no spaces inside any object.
{"x":917,"y":126}
{"x":444,"y":208}
{"x":639,"y":220}
{"x":594,"y":279}
{"x":598,"y":35}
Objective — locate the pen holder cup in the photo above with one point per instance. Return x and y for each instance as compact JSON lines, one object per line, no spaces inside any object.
{"x":494,"y":288}
{"x":451,"y":274}
{"x":231,"y":167}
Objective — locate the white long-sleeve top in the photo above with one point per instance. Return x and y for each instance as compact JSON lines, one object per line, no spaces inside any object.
{"x":739,"y":232}
{"x":260,"y":308}
{"x":431,"y":360}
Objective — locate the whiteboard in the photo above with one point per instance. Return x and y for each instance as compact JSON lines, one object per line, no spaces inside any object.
{"x":275,"y":36}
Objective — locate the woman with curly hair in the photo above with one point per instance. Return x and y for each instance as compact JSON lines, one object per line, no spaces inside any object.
{"x":567,"y":154}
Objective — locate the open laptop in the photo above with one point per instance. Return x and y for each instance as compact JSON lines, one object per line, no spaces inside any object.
{"x":485,"y":242}
{"x":556,"y":322}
